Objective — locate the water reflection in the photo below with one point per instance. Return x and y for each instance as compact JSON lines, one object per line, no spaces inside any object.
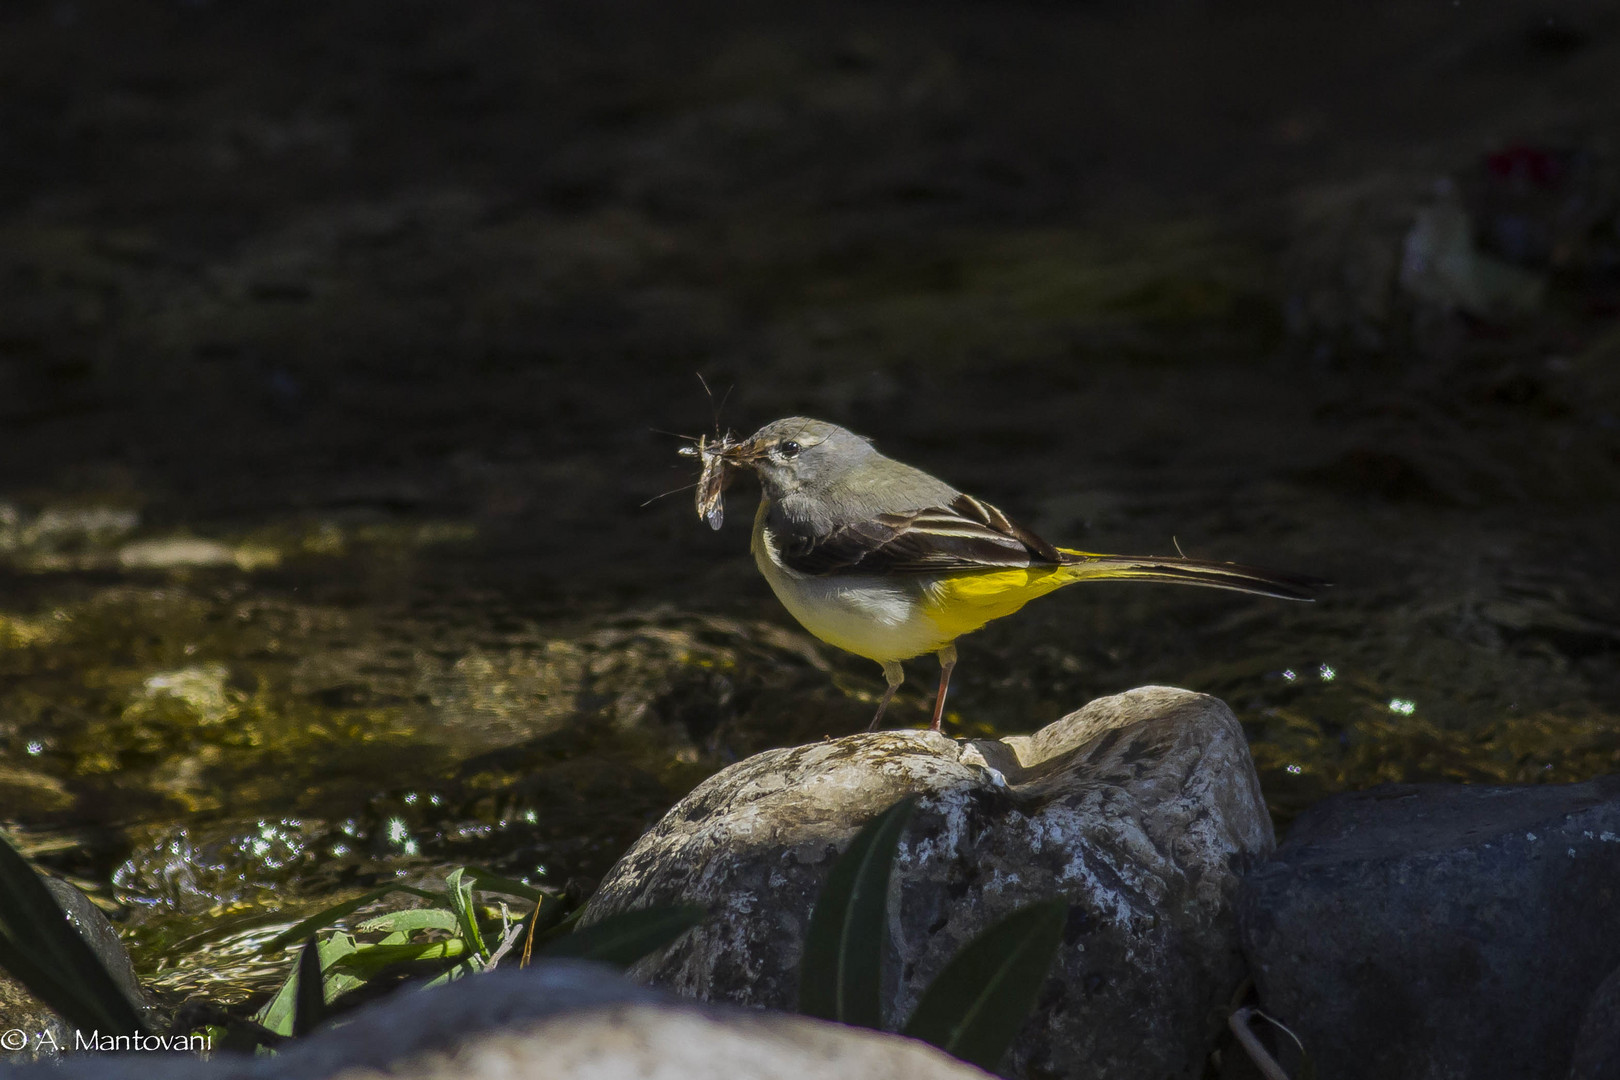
{"x":1310,"y":740}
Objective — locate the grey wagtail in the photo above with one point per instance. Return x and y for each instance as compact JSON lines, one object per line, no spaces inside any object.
{"x":888,"y":562}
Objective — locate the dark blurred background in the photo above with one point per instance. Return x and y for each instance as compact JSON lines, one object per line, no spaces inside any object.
{"x":339,"y":345}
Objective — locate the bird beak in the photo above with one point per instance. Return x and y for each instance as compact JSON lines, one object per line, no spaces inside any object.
{"x":743,"y":453}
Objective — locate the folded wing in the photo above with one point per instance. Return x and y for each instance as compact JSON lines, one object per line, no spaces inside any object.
{"x":966,"y":535}
{"x":970,"y":534}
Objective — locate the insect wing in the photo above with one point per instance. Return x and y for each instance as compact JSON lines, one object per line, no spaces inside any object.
{"x":711,"y":500}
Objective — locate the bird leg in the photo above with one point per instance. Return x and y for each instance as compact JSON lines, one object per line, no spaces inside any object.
{"x":947,"y":661}
{"x":894,"y":674}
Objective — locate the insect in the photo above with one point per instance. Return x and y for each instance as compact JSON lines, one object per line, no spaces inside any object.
{"x":711,"y":485}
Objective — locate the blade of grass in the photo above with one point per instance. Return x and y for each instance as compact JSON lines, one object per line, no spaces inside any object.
{"x":840,"y":974}
{"x":974,"y":1008}
{"x":64,"y":997}
{"x":485,"y":881}
{"x":309,"y":999}
{"x":325,"y":917}
{"x":461,"y":901}
{"x":550,"y":918}
{"x":528,"y":935}
{"x":367,"y":960}
{"x":277,"y":1013}
{"x":407,"y":921}
{"x":459,"y":971}
{"x":624,"y":938}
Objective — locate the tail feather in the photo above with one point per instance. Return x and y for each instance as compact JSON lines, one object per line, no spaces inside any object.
{"x":1084,"y":566}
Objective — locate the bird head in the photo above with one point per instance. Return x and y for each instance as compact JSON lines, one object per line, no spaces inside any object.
{"x":797,"y":453}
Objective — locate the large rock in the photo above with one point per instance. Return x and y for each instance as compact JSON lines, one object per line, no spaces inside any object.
{"x":561,"y":1021}
{"x":1440,"y":931}
{"x":1138,"y":809}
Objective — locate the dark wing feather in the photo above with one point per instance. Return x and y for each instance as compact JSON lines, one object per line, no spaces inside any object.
{"x":966,"y":535}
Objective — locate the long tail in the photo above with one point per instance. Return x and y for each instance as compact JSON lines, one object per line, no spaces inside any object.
{"x":1084,"y":566}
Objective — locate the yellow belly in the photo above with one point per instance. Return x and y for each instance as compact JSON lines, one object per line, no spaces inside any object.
{"x":897,"y":618}
{"x":963,"y":603}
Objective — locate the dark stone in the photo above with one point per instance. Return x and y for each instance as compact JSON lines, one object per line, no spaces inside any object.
{"x":1439,"y":931}
{"x":1597,"y":1046}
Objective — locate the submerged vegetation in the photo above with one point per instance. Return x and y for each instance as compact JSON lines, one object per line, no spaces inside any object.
{"x":972,"y":1009}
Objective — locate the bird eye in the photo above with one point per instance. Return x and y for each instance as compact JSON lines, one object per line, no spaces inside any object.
{"x":789,"y":448}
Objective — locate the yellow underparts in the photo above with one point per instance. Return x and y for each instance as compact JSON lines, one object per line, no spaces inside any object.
{"x":962,"y":603}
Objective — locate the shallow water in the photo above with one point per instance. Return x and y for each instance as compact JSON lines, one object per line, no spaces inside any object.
{"x":326,"y":555}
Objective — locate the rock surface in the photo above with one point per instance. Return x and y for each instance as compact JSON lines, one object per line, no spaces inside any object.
{"x":1597,"y":1046}
{"x":1136,"y":808}
{"x":1440,"y":931}
{"x":561,"y":1021}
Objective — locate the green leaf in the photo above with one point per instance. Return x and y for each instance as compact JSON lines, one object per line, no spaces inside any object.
{"x":325,"y":917}
{"x":840,"y":975}
{"x":974,"y":1008}
{"x":43,"y":950}
{"x":367,"y":960}
{"x":485,"y":881}
{"x":624,"y":938}
{"x":459,"y":971}
{"x":277,"y":1014}
{"x":309,"y":998}
{"x":411,"y":921}
{"x":461,"y":901}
